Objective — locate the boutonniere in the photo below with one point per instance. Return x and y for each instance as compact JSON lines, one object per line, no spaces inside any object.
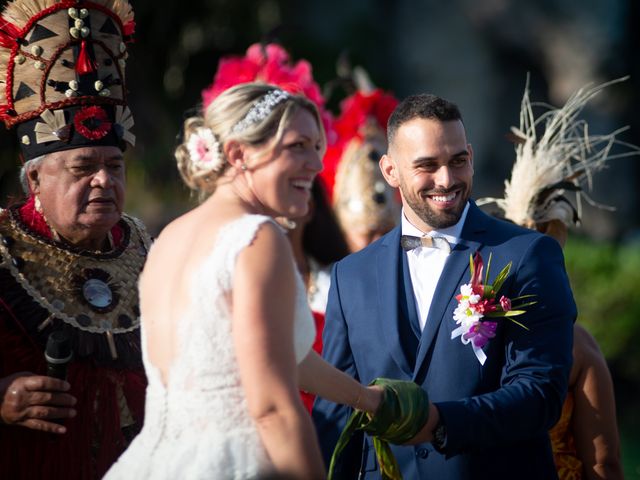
{"x":479,"y":301}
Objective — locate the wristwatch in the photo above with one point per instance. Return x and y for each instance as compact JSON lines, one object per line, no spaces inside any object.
{"x":439,"y":436}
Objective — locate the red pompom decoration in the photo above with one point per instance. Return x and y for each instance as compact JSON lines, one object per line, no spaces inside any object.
{"x":356,"y":111}
{"x":92,"y":122}
{"x":129,"y":28}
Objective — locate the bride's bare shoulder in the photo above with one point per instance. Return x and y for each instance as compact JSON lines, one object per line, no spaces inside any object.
{"x":268,"y":243}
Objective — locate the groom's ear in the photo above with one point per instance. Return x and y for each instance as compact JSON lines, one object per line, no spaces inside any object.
{"x":389,"y":171}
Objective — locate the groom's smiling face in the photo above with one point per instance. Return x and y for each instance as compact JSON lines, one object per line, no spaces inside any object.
{"x":431,"y":163}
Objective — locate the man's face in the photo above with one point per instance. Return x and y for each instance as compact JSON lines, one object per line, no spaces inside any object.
{"x":81,"y":191}
{"x":432,"y":164}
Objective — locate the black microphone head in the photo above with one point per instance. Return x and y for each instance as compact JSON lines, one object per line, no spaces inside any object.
{"x":58,"y":348}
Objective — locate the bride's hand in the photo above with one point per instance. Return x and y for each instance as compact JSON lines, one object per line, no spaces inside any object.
{"x":370,"y":399}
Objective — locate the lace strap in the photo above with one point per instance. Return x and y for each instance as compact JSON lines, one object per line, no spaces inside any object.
{"x":236,"y":236}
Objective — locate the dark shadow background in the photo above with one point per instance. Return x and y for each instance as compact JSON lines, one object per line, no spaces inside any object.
{"x":477,"y":54}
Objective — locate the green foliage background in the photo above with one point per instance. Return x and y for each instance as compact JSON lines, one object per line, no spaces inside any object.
{"x":605,"y":278}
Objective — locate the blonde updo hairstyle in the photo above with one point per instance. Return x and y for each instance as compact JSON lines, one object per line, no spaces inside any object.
{"x":223,"y":114}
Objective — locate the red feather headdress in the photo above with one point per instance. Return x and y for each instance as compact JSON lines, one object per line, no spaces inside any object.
{"x":271,"y":64}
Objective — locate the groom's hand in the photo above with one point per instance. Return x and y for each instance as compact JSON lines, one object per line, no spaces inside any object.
{"x":426,"y":433}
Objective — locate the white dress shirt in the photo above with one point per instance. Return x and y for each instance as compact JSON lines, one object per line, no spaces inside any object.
{"x":426,"y":264}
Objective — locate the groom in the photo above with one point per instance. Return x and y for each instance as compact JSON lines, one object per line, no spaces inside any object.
{"x":391,"y":307}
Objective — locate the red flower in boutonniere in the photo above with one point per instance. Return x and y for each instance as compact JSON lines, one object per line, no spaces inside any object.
{"x":477,"y":302}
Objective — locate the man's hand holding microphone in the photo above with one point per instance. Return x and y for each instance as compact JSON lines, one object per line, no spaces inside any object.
{"x":36,"y":401}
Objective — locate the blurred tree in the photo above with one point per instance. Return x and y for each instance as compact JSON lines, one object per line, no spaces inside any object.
{"x":604,"y":279}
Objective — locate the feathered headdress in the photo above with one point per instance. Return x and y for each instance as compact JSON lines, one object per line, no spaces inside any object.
{"x":563,"y":159}
{"x":271,"y":64}
{"x":62,"y":73}
{"x":359,"y":194}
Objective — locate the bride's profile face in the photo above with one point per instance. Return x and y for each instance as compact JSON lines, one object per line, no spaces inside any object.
{"x":282,"y":180}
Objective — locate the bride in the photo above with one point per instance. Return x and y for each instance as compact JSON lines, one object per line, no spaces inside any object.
{"x":226,"y":330}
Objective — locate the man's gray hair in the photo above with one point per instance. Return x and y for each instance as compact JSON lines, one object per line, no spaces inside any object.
{"x":29,"y":164}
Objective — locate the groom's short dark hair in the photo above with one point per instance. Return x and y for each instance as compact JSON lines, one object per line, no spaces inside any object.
{"x":426,"y":106}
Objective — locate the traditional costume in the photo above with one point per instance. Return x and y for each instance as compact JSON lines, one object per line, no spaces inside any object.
{"x":63,"y":87}
{"x":362,"y":200}
{"x":561,"y":158}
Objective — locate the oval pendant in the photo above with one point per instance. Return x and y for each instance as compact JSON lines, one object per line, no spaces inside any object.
{"x":97,"y":293}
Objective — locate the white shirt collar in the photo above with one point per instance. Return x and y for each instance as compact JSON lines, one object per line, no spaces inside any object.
{"x":452,"y":233}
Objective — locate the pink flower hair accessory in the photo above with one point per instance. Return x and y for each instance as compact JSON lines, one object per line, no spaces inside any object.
{"x":204,"y":150}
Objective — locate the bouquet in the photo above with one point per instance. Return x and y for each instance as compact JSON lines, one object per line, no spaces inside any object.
{"x":478,"y":302}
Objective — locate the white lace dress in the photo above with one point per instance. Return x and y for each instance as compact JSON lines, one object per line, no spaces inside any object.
{"x":198,"y":427}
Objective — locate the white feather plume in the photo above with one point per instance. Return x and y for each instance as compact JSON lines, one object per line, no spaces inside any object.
{"x":564,"y":157}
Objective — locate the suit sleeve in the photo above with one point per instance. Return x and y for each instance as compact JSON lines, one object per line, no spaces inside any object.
{"x":537,"y":362}
{"x":330,"y":418}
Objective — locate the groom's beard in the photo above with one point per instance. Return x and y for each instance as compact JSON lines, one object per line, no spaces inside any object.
{"x":437,"y":219}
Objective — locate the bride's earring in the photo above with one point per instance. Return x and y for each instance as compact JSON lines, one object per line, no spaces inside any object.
{"x":244,"y":167}
{"x":287,"y":223}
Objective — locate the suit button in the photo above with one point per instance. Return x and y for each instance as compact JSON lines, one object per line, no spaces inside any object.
{"x":422,"y":453}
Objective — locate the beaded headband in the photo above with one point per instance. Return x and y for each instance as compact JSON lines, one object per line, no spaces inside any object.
{"x":261,"y":109}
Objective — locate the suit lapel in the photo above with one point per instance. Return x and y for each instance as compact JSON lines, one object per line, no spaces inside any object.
{"x":389,"y":275}
{"x":449,"y":283}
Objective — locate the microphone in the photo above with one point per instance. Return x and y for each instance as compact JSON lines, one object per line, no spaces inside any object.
{"x":58,"y":354}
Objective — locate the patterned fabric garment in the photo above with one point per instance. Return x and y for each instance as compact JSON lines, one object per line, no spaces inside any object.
{"x":198,"y":425}
{"x":563,"y":445}
{"x":38,"y":295}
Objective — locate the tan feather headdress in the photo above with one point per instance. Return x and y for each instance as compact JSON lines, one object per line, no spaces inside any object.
{"x":62,"y":73}
{"x":564,"y":158}
{"x":361,"y":198}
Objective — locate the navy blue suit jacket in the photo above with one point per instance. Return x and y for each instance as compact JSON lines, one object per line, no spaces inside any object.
{"x":497,"y":414}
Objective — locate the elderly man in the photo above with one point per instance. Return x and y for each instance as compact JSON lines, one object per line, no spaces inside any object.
{"x":69,"y":257}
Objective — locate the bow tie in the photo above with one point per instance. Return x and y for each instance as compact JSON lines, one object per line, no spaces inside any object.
{"x":409,"y":242}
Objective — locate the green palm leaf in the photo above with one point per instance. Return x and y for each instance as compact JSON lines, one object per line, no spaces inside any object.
{"x":502,"y":276}
{"x":402,"y":414}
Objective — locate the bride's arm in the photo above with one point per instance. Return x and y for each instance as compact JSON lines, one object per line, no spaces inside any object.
{"x":263,"y":310}
{"x":317,"y":376}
